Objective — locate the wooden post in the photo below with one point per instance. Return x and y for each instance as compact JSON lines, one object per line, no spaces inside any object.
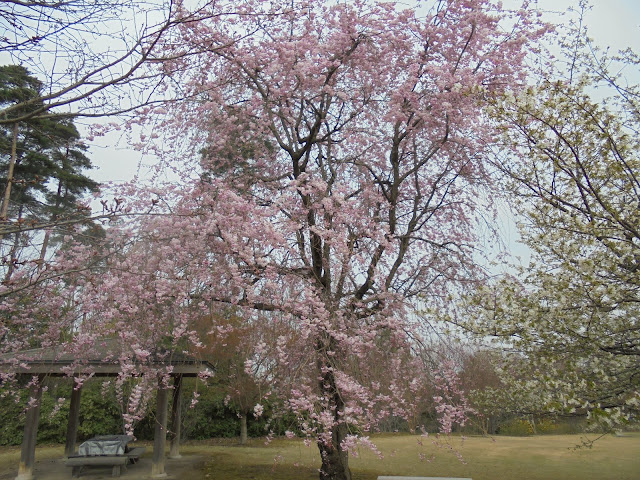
{"x":28,"y":453}
{"x":243,"y":428}
{"x":74,"y":416}
{"x":176,"y":417}
{"x":160,"y":435}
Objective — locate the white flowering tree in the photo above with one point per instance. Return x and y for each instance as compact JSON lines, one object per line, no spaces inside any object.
{"x":576,"y":182}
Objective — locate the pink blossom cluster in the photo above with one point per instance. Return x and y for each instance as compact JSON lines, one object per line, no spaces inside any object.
{"x":451,"y":402}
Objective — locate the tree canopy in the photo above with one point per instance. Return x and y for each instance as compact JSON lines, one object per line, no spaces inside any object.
{"x":573,"y":170}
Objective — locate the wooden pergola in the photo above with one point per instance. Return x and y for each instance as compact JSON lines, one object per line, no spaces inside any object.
{"x":103,"y":361}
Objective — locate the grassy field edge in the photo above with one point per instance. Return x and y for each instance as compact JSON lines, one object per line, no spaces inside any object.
{"x":481,"y":458}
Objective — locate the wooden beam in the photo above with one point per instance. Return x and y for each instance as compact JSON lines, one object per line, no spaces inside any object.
{"x":160,"y":435}
{"x":176,"y":417}
{"x":74,"y":416}
{"x":61,"y":369}
{"x":28,"y":452}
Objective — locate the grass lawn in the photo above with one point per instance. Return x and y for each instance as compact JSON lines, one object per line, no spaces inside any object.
{"x":523,"y":458}
{"x":499,"y":458}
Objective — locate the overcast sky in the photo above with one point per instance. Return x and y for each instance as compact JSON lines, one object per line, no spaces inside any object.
{"x":614,"y":23}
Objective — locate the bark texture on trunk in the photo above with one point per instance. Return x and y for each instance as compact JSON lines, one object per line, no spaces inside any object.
{"x":12,"y":163}
{"x":335,"y":461}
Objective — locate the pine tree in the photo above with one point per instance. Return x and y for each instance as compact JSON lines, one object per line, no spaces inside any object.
{"x":41,"y":167}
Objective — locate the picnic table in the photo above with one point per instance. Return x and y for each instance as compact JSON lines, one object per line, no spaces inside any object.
{"x":105,"y":445}
{"x":105,"y":450}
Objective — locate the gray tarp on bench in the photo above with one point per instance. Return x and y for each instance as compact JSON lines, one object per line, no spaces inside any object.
{"x":104,"y":445}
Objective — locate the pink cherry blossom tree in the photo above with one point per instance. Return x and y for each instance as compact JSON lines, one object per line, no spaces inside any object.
{"x":341,"y":154}
{"x":333,"y":158}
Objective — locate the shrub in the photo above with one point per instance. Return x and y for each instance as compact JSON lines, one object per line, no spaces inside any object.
{"x":12,"y":419}
{"x":100,"y":414}
{"x":516,"y":427}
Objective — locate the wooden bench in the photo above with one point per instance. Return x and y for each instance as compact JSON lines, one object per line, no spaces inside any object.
{"x":78,"y":462}
{"x":134,"y":454}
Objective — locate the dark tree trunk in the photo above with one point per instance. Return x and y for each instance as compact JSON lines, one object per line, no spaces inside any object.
{"x":335,"y":462}
{"x":13,"y":253}
{"x":12,"y":163}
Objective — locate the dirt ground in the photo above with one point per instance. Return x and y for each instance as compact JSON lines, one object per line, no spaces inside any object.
{"x":189,"y":467}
